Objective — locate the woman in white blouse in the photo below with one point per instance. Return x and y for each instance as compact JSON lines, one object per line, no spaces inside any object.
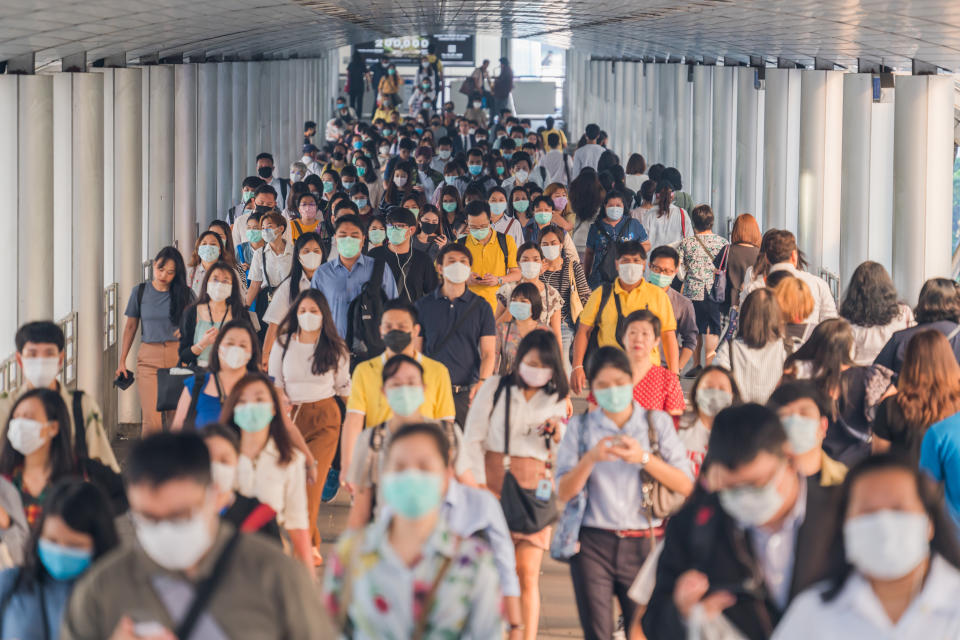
{"x":531,"y":402}
{"x":270,"y":468}
{"x":871,"y":307}
{"x":900,"y":572}
{"x":311,"y":364}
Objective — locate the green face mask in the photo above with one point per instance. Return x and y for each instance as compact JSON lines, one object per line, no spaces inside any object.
{"x":449,"y":207}
{"x":614,"y":399}
{"x":254,"y":235}
{"x":480,"y":234}
{"x":349,"y":247}
{"x":247,"y":195}
{"x":404,"y":400}
{"x":521,"y":205}
{"x":396,"y":235}
{"x":659,"y":279}
{"x":253,"y":416}
{"x":543,"y":217}
{"x":376,"y":237}
{"x":412,"y":493}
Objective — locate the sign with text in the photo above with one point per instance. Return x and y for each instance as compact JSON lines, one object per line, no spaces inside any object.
{"x":453,"y":50}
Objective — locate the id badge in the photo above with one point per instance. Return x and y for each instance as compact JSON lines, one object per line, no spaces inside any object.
{"x":544,"y":489}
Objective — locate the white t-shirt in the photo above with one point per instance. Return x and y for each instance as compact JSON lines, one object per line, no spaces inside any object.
{"x":278,"y":266}
{"x":666,"y":229}
{"x":293,"y":373}
{"x":281,"y":302}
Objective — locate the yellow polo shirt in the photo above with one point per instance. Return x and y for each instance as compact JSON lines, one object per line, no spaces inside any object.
{"x":563,"y":138}
{"x":305,"y":227}
{"x":366,"y":391}
{"x":643,"y":296}
{"x":488,"y":258}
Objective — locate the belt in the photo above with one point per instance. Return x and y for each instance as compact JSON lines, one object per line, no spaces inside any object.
{"x":656,"y":532}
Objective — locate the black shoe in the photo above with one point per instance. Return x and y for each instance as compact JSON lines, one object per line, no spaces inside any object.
{"x":693,"y":373}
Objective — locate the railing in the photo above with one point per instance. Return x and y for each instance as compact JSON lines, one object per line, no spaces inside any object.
{"x":9,"y":375}
{"x":110,"y":318}
{"x":833,"y":280}
{"x":68,"y":375}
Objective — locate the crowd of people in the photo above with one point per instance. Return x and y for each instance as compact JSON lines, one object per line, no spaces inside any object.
{"x":496,"y":346}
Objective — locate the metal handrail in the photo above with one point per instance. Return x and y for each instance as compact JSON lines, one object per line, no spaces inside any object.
{"x":833,"y":281}
{"x":110,"y":318}
{"x":68,"y":375}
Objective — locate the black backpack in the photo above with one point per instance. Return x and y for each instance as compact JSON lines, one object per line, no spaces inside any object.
{"x":608,"y":266}
{"x":502,"y":241}
{"x":363,"y":318}
{"x":593,"y":341}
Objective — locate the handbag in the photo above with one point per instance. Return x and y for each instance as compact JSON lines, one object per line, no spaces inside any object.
{"x":524,"y":511}
{"x":657,"y":499}
{"x":170,"y":385}
{"x":718,"y":292}
{"x":566,"y":537}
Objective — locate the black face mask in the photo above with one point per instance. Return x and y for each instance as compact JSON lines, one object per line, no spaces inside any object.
{"x":429,"y":228}
{"x":265,"y":172}
{"x":397,"y":340}
{"x":338,"y":157}
{"x":262,"y":208}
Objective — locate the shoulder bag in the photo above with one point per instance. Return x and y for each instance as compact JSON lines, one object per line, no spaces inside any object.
{"x":524,"y":511}
{"x":659,"y":501}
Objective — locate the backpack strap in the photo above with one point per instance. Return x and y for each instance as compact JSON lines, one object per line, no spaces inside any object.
{"x":79,"y":425}
{"x":296,"y":224}
{"x":140,"y":288}
{"x":502,"y":241}
{"x":199,"y":382}
{"x":258,"y":518}
{"x":206,"y":589}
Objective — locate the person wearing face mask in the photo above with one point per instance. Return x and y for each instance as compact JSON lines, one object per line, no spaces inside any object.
{"x":566,"y":276}
{"x":389,"y":86}
{"x":544,"y":216}
{"x":309,"y":161}
{"x":458,"y":330}
{"x":530,"y":259}
{"x":247,"y":188}
{"x":805,"y":413}
{"x":40,"y":357}
{"x":413,"y":270}
{"x":208,"y":251}
{"x":269,"y":266}
{"x":464,"y":141}
{"x":529,"y":401}
{"x":235,"y":351}
{"x":426,"y":176}
{"x":247,"y":514}
{"x":429,"y":237}
{"x":142,"y":588}
{"x":664,"y":263}
{"x":523,"y":314}
{"x":697,"y":255}
{"x":265,"y":169}
{"x":400,"y":187}
{"x":744,"y":544}
{"x":601,"y":320}
{"x":610,"y":229}
{"x":713,"y":391}
{"x":519,"y":207}
{"x":270,"y":467}
{"x":219,"y":302}
{"x":369,"y":593}
{"x":311,"y":365}
{"x":264,"y":201}
{"x":298,"y":171}
{"x":76,"y":530}
{"x":444,"y":154}
{"x":900,"y":562}
{"x":421,"y":98}
{"x":254,"y":241}
{"x":501,"y":221}
{"x":603,"y":453}
{"x":342,"y":280}
{"x":521,"y":166}
{"x":494,"y":254}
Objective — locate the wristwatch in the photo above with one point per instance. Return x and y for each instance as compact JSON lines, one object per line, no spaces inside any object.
{"x":644,"y":459}
{"x":500,"y":280}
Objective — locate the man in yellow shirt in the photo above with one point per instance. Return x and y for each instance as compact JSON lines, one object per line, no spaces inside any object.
{"x":367,"y":406}
{"x":628,"y":293}
{"x":494,"y":254}
{"x":546,"y":133}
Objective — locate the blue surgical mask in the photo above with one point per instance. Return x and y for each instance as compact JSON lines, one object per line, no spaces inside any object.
{"x":360,"y":202}
{"x":451,"y":180}
{"x":801,"y":431}
{"x":253,"y":416}
{"x":348,"y":185}
{"x":327,"y":186}
{"x":614,"y":213}
{"x":361,"y":171}
{"x":358,"y":144}
{"x":498,"y":208}
{"x":63,"y":563}
{"x":404,"y":401}
{"x":208,"y":252}
{"x":412,"y":493}
{"x":520,"y":310}
{"x":449,"y":207}
{"x":475,"y":169}
{"x":614,"y":399}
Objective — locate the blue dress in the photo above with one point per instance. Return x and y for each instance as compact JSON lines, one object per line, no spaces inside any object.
{"x":208,"y":407}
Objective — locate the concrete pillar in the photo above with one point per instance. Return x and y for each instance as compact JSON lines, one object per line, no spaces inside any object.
{"x":35,"y":273}
{"x":821,"y":128}
{"x":127,"y":203}
{"x":684,"y":144}
{"x":224,"y":154}
{"x":238,"y":135}
{"x":866,"y":171}
{"x":922,"y":181}
{"x":160,"y":170}
{"x":781,"y":151}
{"x":87,"y":151}
{"x":749,"y":143}
{"x":252,"y":124}
{"x":10,"y":167}
{"x":702,"y":143}
{"x":206,"y":143}
{"x":64,"y":211}
{"x":266,"y":98}
{"x":723,"y":158}
{"x":185,"y":152}
{"x":652,"y":150}
{"x":667,"y":138}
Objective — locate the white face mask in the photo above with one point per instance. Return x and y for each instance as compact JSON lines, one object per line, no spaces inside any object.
{"x":801,"y":432}
{"x":536,"y":377}
{"x":887,"y":545}
{"x":713,"y":401}
{"x":224,"y":476}
{"x":175,"y":545}
{"x":25,"y":435}
{"x":219,"y":291}
{"x":522,"y":175}
{"x":400,"y":181}
{"x":551,"y":251}
{"x":753,"y":506}
{"x":269,"y":234}
{"x":234,"y":357}
{"x":630,"y":273}
{"x":310,"y":321}
{"x":457,"y":272}
{"x":530,"y":270}
{"x":311,"y":260}
{"x":40,"y":372}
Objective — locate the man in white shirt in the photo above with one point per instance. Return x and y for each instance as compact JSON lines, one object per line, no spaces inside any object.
{"x":555,"y":162}
{"x":310,"y":159}
{"x":589,"y":154}
{"x":521,"y":167}
{"x":782,"y":254}
{"x":267,"y":171}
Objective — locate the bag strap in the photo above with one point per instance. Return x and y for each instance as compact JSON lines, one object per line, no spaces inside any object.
{"x":502,"y":241}
{"x":206,"y":589}
{"x":683,"y":224}
{"x":140,"y":288}
{"x":199,"y":382}
{"x":459,"y":323}
{"x":506,"y":428}
{"x":702,"y":244}
{"x":256,"y":519}
{"x":79,"y":425}
{"x":420,"y":627}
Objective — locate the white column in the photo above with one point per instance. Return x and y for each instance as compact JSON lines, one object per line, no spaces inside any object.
{"x":206,"y":142}
{"x":684,"y":88}
{"x":66,"y":277}
{"x":127,"y":204}
{"x":922,"y":181}
{"x":821,"y":127}
{"x":160,"y":171}
{"x":702,"y":144}
{"x":88,"y":224}
{"x":748,"y":137}
{"x":652,"y":150}
{"x":9,"y":167}
{"x":185,"y":153}
{"x":224,"y":137}
{"x":668,"y":114}
{"x":866,"y":171}
{"x":252,"y":125}
{"x":723,"y":158}
{"x":635,"y":114}
{"x":35,"y":271}
{"x":238,"y":134}
{"x":781,"y":153}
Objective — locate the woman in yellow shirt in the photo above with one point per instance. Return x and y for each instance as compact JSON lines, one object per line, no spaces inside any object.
{"x":390,"y":86}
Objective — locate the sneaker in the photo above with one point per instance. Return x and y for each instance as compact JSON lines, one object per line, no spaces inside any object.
{"x":332,"y":486}
{"x":317,"y":558}
{"x":620,"y":633}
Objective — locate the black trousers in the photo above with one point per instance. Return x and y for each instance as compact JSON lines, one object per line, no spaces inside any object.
{"x":461,"y":402}
{"x":605,"y":568}
{"x":356,"y":101}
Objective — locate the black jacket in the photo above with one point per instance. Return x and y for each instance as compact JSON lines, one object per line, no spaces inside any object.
{"x":703,"y":537}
